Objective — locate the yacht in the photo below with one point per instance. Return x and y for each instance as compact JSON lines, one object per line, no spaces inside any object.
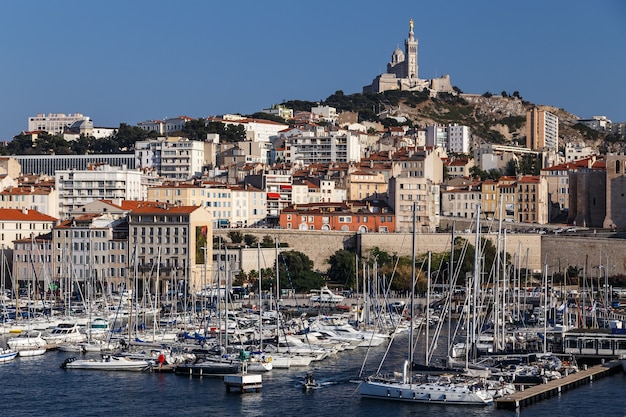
{"x":63,"y":333}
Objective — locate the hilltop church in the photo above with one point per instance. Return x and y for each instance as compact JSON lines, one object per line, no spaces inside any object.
{"x":402,"y":72}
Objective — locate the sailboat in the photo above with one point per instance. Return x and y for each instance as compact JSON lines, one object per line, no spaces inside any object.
{"x":444,"y":389}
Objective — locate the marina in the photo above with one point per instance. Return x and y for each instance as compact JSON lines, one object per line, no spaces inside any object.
{"x":532,"y":395}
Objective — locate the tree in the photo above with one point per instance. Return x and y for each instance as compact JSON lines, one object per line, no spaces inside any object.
{"x":250,"y":240}
{"x":267,"y":242}
{"x":495,"y":174}
{"x":476,"y":172}
{"x":529,"y":165}
{"x":127,"y":135}
{"x":342,"y":267}
{"x":235,"y":236}
{"x":195,"y":129}
{"x":511,"y":168}
{"x":298,"y":269}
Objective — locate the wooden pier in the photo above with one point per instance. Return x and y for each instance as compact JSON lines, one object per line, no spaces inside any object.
{"x":554,"y":388}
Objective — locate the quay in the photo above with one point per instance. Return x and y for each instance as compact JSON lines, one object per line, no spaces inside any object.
{"x":554,"y":388}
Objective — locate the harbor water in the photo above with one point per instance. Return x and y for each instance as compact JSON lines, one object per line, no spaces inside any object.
{"x":38,"y":386}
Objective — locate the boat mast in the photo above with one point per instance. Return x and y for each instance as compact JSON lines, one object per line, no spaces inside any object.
{"x":450,"y":289}
{"x":409,"y":377}
{"x":258,"y":248}
{"x":476,"y":281}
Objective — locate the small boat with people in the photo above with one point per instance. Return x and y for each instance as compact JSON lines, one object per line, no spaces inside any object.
{"x":310,"y":382}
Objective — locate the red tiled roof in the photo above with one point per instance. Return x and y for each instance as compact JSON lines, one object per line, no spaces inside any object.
{"x":25,"y":216}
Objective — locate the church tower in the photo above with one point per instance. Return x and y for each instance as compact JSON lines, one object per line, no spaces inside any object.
{"x":410,"y":47}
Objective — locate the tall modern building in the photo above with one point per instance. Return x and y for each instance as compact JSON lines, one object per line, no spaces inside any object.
{"x":542,"y":129}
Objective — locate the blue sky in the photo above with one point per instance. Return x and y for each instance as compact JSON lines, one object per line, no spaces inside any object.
{"x":132,"y":60}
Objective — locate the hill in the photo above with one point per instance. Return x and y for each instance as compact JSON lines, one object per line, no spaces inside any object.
{"x":492,"y":118}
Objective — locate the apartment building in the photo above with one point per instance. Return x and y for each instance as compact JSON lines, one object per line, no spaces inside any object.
{"x":349,"y":216}
{"x":178,"y":240}
{"x":173,"y":158}
{"x":542,"y":129}
{"x":16,"y":224}
{"x":100,"y":182}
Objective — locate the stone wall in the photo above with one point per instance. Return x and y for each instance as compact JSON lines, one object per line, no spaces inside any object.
{"x":319,"y":246}
{"x":526,"y":245}
{"x":581,"y":251}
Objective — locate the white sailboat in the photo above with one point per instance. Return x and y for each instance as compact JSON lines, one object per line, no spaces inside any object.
{"x":442,"y":389}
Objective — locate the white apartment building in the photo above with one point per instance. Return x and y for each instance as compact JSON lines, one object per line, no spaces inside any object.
{"x":173,"y":158}
{"x":453,"y":138}
{"x":102,"y":182}
{"x":165,"y":126}
{"x":577,"y":151}
{"x":336,"y":146}
{"x":326,"y":113}
{"x":459,"y":138}
{"x":54,"y":123}
{"x":257,"y":130}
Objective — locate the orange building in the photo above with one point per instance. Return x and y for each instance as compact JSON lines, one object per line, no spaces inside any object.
{"x":349,"y":216}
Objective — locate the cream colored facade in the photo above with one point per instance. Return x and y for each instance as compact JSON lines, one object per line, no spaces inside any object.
{"x":363,"y":184}
{"x":41,"y":199}
{"x":18,"y":224}
{"x":229,"y":206}
{"x":91,"y":247}
{"x":489,"y":199}
{"x":418,"y":182}
{"x":178,"y":239}
{"x":542,"y":129}
{"x":10,"y":167}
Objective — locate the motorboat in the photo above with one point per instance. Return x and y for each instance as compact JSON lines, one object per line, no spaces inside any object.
{"x":31,"y":351}
{"x":28,"y":339}
{"x":309,"y":382}
{"x":107,"y":363}
{"x":65,"y":332}
{"x":208,"y":367}
{"x":326,"y":296}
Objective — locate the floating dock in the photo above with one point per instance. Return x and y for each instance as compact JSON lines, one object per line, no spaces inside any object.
{"x":243,"y":382}
{"x":554,"y":388}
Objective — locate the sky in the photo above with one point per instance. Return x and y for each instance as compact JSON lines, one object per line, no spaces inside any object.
{"x":126,"y":61}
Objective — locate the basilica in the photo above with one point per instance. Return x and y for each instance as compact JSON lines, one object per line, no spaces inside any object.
{"x":402,"y":72}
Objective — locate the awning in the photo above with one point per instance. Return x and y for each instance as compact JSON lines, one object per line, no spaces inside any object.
{"x":273,"y":196}
{"x":285,"y":187}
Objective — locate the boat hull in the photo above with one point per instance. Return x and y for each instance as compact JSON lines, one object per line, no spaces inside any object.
{"x":427,"y":393}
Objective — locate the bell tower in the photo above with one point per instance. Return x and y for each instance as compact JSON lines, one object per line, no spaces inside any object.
{"x":410,"y":47}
